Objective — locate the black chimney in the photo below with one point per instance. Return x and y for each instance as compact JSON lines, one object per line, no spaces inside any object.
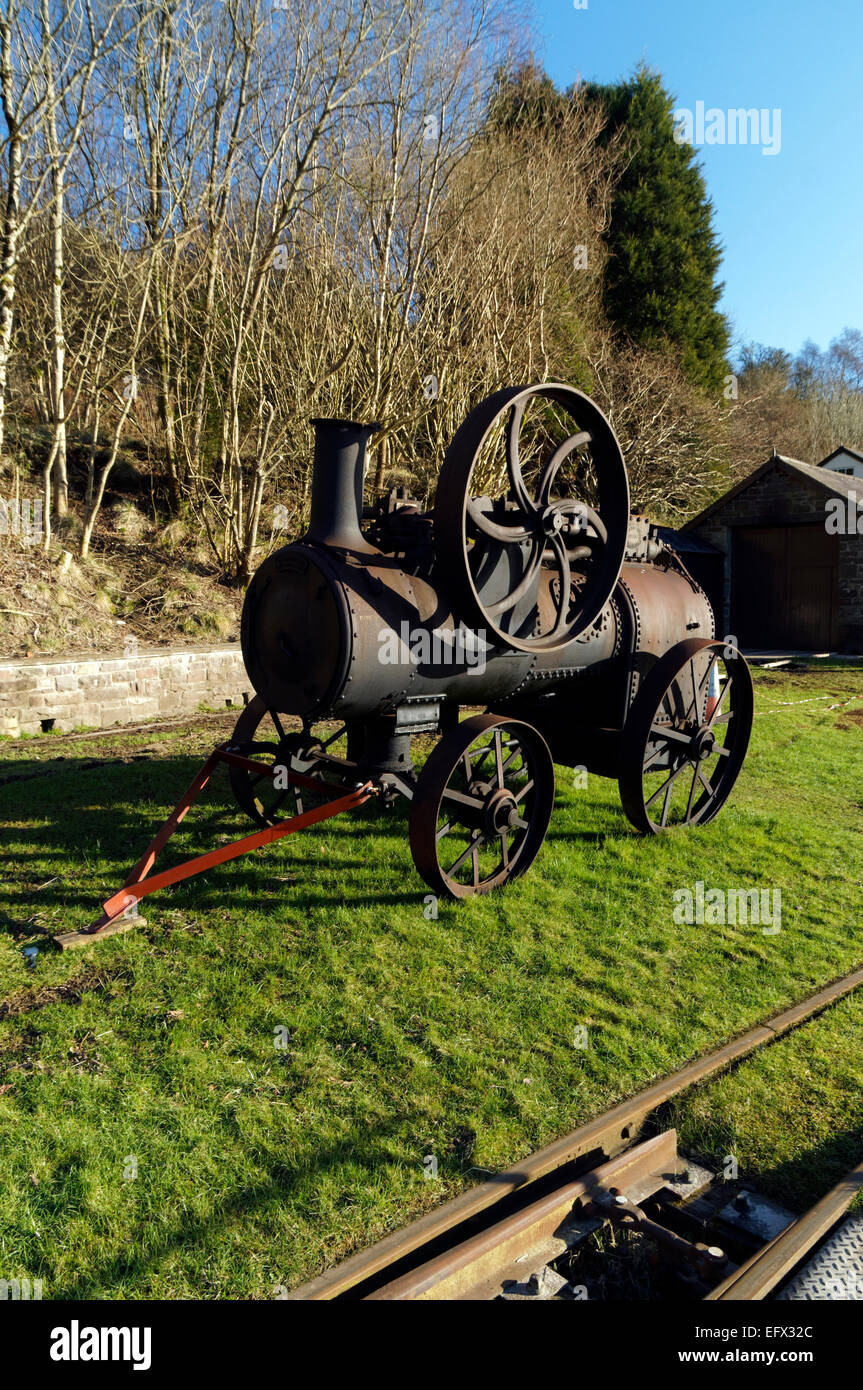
{"x":337,"y":484}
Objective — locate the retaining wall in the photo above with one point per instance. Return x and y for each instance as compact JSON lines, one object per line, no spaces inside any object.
{"x":122,"y":688}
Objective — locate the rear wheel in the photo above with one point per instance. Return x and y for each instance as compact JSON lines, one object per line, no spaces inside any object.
{"x":686,"y":737}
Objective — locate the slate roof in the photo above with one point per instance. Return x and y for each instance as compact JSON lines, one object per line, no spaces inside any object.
{"x":832,"y":483}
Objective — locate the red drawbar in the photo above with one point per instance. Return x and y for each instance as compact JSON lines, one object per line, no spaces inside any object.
{"x":138,"y":885}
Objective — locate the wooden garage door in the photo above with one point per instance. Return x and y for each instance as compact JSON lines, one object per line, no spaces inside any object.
{"x":784,"y":587}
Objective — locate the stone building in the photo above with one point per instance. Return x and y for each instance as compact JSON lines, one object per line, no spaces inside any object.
{"x":781,"y":557}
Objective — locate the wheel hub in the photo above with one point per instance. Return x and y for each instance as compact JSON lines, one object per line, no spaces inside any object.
{"x":703,"y":743}
{"x":500,"y":811}
{"x":552,"y":520}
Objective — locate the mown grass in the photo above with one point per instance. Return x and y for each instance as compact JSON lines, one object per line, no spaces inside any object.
{"x":258,"y":1165}
{"x":790,"y":1115}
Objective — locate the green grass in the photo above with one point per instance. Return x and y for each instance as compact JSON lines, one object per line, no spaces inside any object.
{"x":258,"y":1166}
{"x":790,"y":1115}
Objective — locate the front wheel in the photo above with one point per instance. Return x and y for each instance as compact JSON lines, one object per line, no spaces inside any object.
{"x":482,"y":805}
{"x":259,"y":735}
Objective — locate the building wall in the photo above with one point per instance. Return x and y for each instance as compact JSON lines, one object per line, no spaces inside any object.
{"x":847,"y":464}
{"x":99,"y":691}
{"x":777,"y":499}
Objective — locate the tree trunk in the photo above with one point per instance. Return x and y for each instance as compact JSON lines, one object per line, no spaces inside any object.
{"x":11,"y":223}
{"x":58,"y":340}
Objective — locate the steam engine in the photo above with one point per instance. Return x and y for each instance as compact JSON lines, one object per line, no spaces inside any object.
{"x":528,"y":590}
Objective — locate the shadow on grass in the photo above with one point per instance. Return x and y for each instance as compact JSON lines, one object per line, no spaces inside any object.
{"x":67,"y":819}
{"x":371,"y":1151}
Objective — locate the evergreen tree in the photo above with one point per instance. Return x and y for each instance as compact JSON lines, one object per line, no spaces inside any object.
{"x":661,"y":281}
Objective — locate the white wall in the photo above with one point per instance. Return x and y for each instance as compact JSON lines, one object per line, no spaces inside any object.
{"x":845,"y":463}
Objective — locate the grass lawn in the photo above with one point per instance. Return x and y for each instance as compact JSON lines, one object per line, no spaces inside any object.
{"x":791,"y":1115}
{"x":154,"y":1140}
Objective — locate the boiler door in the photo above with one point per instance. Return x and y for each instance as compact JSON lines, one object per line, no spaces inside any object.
{"x":296,"y":633}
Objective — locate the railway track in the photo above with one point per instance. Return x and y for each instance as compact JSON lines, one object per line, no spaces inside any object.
{"x":519,"y":1234}
{"x":120,"y":731}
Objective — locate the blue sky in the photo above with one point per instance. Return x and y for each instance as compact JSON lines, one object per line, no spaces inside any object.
{"x":790,"y":224}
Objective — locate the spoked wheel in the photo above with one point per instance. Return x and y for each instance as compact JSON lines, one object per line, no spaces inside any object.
{"x":482,"y":805}
{"x":259,"y":735}
{"x":686,"y":737}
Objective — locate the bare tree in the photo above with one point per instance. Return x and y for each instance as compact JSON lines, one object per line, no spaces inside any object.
{"x":47,"y":61}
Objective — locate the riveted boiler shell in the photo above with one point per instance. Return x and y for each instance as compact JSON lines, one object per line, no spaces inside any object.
{"x":326,"y":635}
{"x":296,"y":632}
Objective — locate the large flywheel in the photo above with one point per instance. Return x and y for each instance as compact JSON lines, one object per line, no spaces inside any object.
{"x":531,"y":515}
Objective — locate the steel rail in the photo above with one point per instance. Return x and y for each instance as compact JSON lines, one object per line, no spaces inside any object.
{"x":535,"y":1235}
{"x":608,"y":1134}
{"x":763,"y":1271}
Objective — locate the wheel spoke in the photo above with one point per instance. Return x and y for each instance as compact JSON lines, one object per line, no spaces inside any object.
{"x":692,"y":793}
{"x":706,"y":677}
{"x":516,"y":749}
{"x":666,"y":802}
{"x":513,"y":460}
{"x":472,"y":848}
{"x":503,"y":605}
{"x":693,"y":707}
{"x":498,"y":758}
{"x":706,"y":782}
{"x":463,"y":798}
{"x":493,"y":529}
{"x":664,"y":732}
{"x":661,"y":789}
{"x":549,"y":473}
{"x":713,"y":718}
{"x":656,"y":756}
{"x":559,"y":549}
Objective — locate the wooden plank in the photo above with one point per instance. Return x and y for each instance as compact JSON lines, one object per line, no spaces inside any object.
{"x":68,"y":941}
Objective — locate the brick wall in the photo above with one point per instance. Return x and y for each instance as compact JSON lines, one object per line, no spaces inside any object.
{"x":777,"y":499}
{"x":121,"y":689}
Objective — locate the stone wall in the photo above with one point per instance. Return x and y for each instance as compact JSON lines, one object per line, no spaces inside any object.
{"x":98,"y":691}
{"x":777,"y":499}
